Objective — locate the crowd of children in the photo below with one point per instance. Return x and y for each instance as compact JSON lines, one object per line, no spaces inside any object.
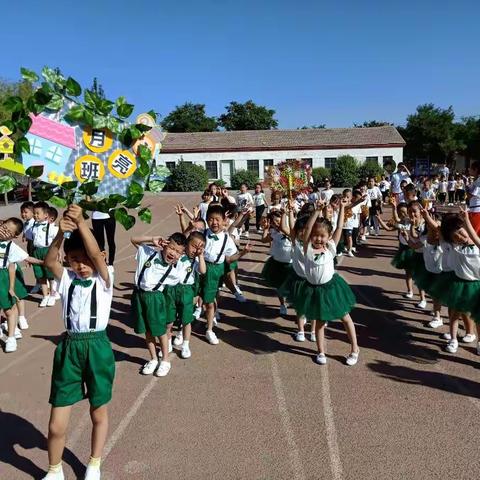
{"x":179,"y":276}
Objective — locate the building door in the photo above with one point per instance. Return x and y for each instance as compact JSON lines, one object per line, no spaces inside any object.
{"x":226,"y":171}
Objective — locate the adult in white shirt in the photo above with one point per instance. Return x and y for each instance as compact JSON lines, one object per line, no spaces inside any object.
{"x":104,"y":224}
{"x":443,"y":170}
{"x":327,"y":192}
{"x":244,"y":201}
{"x":402,"y":173}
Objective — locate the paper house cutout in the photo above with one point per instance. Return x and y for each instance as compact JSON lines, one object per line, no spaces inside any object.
{"x":51,"y":144}
{"x":6,"y":144}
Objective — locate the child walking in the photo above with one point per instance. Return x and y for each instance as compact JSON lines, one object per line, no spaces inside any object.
{"x":260,"y":202}
{"x":83,"y":365}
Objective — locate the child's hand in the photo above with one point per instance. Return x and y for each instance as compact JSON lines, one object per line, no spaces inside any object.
{"x":462,"y":212}
{"x":12,"y":293}
{"x":75,"y":213}
{"x":159,"y":242}
{"x":67,"y":225}
{"x":344,"y":202}
{"x":179,"y":210}
{"x":196,"y":211}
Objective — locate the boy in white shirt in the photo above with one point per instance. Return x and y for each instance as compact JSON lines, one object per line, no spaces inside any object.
{"x":84,"y":365}
{"x":396,"y":179}
{"x":375,"y":196}
{"x":442,"y":190}
{"x":244,"y":201}
{"x":327,"y":192}
{"x":427,"y":195}
{"x":352,"y":222}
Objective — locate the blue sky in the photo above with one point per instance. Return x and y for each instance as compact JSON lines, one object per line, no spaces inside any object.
{"x":335,"y":62}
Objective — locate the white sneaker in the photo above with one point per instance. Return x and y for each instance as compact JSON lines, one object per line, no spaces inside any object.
{"x":435,"y":323}
{"x":10,"y":345}
{"x":283,"y":310}
{"x":149,"y":367}
{"x":56,"y":296}
{"x":245,"y":235}
{"x":92,"y":473}
{"x":197,"y":313}
{"x":350,"y":254}
{"x":339,"y":254}
{"x":22,"y":323}
{"x":240,"y":298}
{"x":18,"y":333}
{"x":422,"y":304}
{"x":313,"y":337}
{"x":446,"y":336}
{"x":469,"y":338}
{"x":321,"y":359}
{"x":354,"y":250}
{"x":352,"y":359}
{"x":300,"y":337}
{"x":186,"y":353}
{"x":163,"y":369}
{"x":212,"y":338}
{"x":452,"y":346}
{"x":44,"y":302}
{"x":408,"y":295}
{"x":54,"y":476}
{"x":178,"y":339}
{"x":35,"y":289}
{"x":363,"y":238}
{"x":51,"y":301}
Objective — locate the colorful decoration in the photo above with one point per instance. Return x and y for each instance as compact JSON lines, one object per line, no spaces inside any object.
{"x":98,"y":140}
{"x":89,"y":167}
{"x":122,"y":164}
{"x":291,"y":177}
{"x":6,"y":143}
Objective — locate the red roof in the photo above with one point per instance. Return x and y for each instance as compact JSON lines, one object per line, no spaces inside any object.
{"x":53,"y":131}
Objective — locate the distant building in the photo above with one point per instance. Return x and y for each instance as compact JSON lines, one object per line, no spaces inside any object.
{"x":222,"y":153}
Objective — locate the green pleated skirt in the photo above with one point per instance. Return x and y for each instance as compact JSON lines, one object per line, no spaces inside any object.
{"x":275,"y":273}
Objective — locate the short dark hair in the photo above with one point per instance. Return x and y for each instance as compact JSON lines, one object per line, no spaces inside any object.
{"x":356,"y":193}
{"x":53,"y":212}
{"x":410,"y":188}
{"x":74,"y":242}
{"x":196,"y":235}
{"x":17,"y":222}
{"x":27,"y":206}
{"x":401,"y":205}
{"x":325,"y":223}
{"x":243,"y":183}
{"x":301,"y":222}
{"x":347,"y":190}
{"x":215,"y":209}
{"x":178,"y":238}
{"x":42,"y":205}
{"x":450,"y":223}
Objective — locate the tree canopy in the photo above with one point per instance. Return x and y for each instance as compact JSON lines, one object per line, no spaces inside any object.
{"x":372,"y":123}
{"x":189,"y":117}
{"x":247,"y":116}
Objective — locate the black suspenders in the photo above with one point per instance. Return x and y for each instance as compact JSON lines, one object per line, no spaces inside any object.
{"x":145,"y":266}
{"x":219,"y":256}
{"x":7,"y":253}
{"x":93,"y":306}
{"x":46,"y":234}
{"x":164,"y":276}
{"x":187,"y":276}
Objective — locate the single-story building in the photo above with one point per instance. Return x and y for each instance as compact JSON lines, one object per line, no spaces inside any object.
{"x":222,"y":153}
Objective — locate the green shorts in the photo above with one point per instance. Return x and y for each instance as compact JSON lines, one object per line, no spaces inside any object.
{"x":83,"y":367}
{"x":6,"y":301}
{"x":211,"y":281}
{"x":150,"y":312}
{"x":40,"y":271}
{"x":230,"y":267}
{"x":179,"y":301}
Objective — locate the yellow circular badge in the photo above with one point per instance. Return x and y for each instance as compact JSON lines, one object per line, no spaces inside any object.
{"x":122,"y":163}
{"x":97,"y":140}
{"x":89,"y":167}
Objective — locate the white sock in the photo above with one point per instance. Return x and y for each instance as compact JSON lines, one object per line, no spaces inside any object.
{"x":21,"y":317}
{"x":186,"y":343}
{"x":237,"y":289}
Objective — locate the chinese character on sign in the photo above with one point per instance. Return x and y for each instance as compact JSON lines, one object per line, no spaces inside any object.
{"x":98,"y":138}
{"x":122,"y":164}
{"x":89,"y":170}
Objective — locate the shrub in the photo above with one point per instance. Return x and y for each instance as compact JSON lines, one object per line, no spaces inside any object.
{"x":370,"y":169}
{"x":244,"y":176}
{"x":220,"y":183}
{"x":345,"y":171}
{"x":187,"y":177}
{"x":319,"y":174}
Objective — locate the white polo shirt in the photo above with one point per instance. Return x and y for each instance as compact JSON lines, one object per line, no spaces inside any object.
{"x":474,"y":204}
{"x":187,"y":270}
{"x":11,"y":253}
{"x":80,"y":305}
{"x":281,"y":248}
{"x":465,"y":260}
{"x":396,"y":179}
{"x":320,"y":267}
{"x":214,"y":244}
{"x":43,"y":234}
{"x":298,"y":259}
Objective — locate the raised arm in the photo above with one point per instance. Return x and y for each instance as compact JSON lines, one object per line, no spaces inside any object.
{"x":202,"y":265}
{"x":337,"y":234}
{"x":241,"y":253}
{"x":308,"y":229}
{"x":284,"y":227}
{"x":469,"y":227}
{"x":386,"y":227}
{"x":181,"y":217}
{"x":51,"y":260}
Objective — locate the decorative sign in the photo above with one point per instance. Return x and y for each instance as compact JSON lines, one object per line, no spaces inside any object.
{"x":89,"y":167}
{"x":122,"y":164}
{"x":97,"y":140}
{"x":6,"y":143}
{"x":291,"y":177}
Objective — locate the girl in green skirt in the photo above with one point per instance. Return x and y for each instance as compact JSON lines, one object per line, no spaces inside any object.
{"x":324,"y":295}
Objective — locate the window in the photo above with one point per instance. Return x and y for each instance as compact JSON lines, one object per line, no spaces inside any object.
{"x":252,"y":166}
{"x":54,"y":154}
{"x":387,"y":159}
{"x":212,"y":168}
{"x":371,"y":160}
{"x":170,"y":165}
{"x":308,"y":161}
{"x":330,"y":162}
{"x":35,"y":147}
{"x":268,"y":163}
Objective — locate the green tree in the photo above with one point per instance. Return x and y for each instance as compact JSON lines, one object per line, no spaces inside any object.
{"x":23,"y":89}
{"x":247,"y":116}
{"x":188,"y":177}
{"x":372,"y":123}
{"x":307,"y":127}
{"x":97,"y":88}
{"x":468,"y":133}
{"x":319,"y":174}
{"x":431,"y":133}
{"x":345,"y":171}
{"x":189,"y":117}
{"x":244,"y":176}
{"x":369,"y":169}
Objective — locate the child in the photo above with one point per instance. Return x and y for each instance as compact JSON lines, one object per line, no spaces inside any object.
{"x":451,"y":190}
{"x":43,"y":234}
{"x":427,"y":195}
{"x":375,"y":196}
{"x":327,"y":192}
{"x":474,"y":196}
{"x":442,"y":190}
{"x":324,"y":295}
{"x":180,"y":297}
{"x":26,"y":212}
{"x":83,"y":365}
{"x":52,"y":218}
{"x":204,"y":204}
{"x":219,"y":248}
{"x":278,"y":266}
{"x":276,"y":199}
{"x":260,"y":203}
{"x":384,"y":188}
{"x":459,"y":189}
{"x":155,"y":270}
{"x":352,"y":222}
{"x":245,"y":201}
{"x":12,"y":288}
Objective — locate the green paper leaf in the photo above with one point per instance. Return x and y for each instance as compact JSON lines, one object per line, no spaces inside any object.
{"x":69,"y":185}
{"x":75,"y":114}
{"x":135,"y":188}
{"x":58,"y":201}
{"x":42,"y":97}
{"x":144,"y":153}
{"x":90,"y":98}
{"x":145,"y":215}
{"x":88,"y":117}
{"x":126,"y":137}
{"x":88,"y":205}
{"x":152,"y":114}
{"x":156,"y":186}
{"x":13,"y":104}
{"x":29,"y":75}
{"x":7,"y":183}
{"x":99,"y":121}
{"x":134,"y":200}
{"x":45,"y":193}
{"x":143,"y":168}
{"x":73,"y":87}
{"x":125,"y":110}
{"x":22,"y":145}
{"x":115,"y":199}
{"x":114,"y":125}
{"x":49,"y":74}
{"x":89,"y":188}
{"x":122,"y":217}
{"x":103,"y":206}
{"x":32,"y":106}
{"x":136,"y":133}
{"x":105,"y":106}
{"x":56,"y":102}
{"x":35,"y":171}
{"x":10,"y":125}
{"x":142,"y":127}
{"x":24,"y":124}
{"x":120,"y":101}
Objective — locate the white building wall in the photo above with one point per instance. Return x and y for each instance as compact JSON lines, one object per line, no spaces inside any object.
{"x":318,"y":157}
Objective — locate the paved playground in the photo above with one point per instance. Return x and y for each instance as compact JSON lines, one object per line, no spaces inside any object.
{"x":257,"y":406}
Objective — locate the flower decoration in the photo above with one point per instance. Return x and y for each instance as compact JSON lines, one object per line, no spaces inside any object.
{"x":291,"y":177}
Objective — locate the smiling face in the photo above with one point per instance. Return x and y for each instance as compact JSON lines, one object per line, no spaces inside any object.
{"x":403,"y":213}
{"x":215,"y":222}
{"x":320,"y":236}
{"x":414,"y":213}
{"x":40,"y":215}
{"x":172,"y":252}
{"x":26,"y":214}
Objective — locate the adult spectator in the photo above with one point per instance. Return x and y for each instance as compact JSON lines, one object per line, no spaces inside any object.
{"x":402,"y":174}
{"x":327,"y":192}
{"x":443,"y":170}
{"x":103,"y":224}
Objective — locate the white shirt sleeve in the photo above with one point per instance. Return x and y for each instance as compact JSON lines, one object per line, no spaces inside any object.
{"x":16,"y":254}
{"x":230,"y":247}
